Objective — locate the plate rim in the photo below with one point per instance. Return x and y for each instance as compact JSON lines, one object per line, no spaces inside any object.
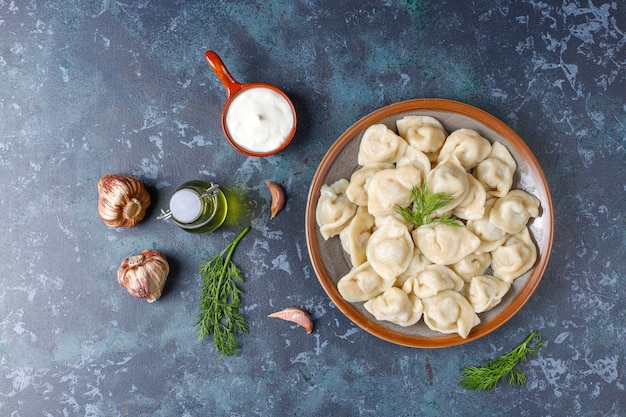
{"x":429,"y":104}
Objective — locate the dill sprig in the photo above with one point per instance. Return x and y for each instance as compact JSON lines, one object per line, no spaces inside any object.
{"x":486,"y":377}
{"x":424,"y":206}
{"x":220,"y":301}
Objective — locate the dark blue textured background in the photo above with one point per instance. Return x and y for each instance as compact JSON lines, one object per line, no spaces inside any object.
{"x":92,"y":87}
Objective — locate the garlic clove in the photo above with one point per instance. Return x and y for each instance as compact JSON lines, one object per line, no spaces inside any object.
{"x":122,"y":200}
{"x":295,"y":315}
{"x":278,"y":197}
{"x":144,"y":275}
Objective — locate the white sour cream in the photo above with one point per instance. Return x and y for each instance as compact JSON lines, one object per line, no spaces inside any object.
{"x":259,"y":119}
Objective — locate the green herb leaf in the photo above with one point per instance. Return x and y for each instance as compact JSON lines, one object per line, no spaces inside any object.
{"x":486,"y":377}
{"x":220,"y":302}
{"x":424,"y":205}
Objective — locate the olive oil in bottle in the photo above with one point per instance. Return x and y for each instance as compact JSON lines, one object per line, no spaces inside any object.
{"x":197,"y":207}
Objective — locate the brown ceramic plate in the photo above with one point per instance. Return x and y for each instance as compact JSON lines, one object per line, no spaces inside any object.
{"x":331,"y":263}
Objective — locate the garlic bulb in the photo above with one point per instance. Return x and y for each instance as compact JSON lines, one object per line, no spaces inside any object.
{"x":144,"y":275}
{"x":122,"y":200}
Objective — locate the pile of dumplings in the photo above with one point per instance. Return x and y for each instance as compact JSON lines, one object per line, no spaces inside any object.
{"x":444,"y":273}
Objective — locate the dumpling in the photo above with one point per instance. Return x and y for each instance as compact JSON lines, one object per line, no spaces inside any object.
{"x":490,"y":236}
{"x":379,"y":221}
{"x":390,"y":249}
{"x":423,"y":132}
{"x":444,"y":244}
{"x":511,"y":212}
{"x":380,"y":144}
{"x":334,"y":210}
{"x":354,"y":237}
{"x":433,"y":279}
{"x":362,"y":283}
{"x":486,"y":292}
{"x":359,"y":181}
{"x":497,"y":170}
{"x":417,"y":158}
{"x":472,"y":207}
{"x":448,"y":177}
{"x":472,"y":265}
{"x":390,"y":188}
{"x":449,"y":312}
{"x":396,"y":306}
{"x":515,"y":257}
{"x":417,"y":264}
{"x":468,"y":146}
{"x":501,"y":152}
